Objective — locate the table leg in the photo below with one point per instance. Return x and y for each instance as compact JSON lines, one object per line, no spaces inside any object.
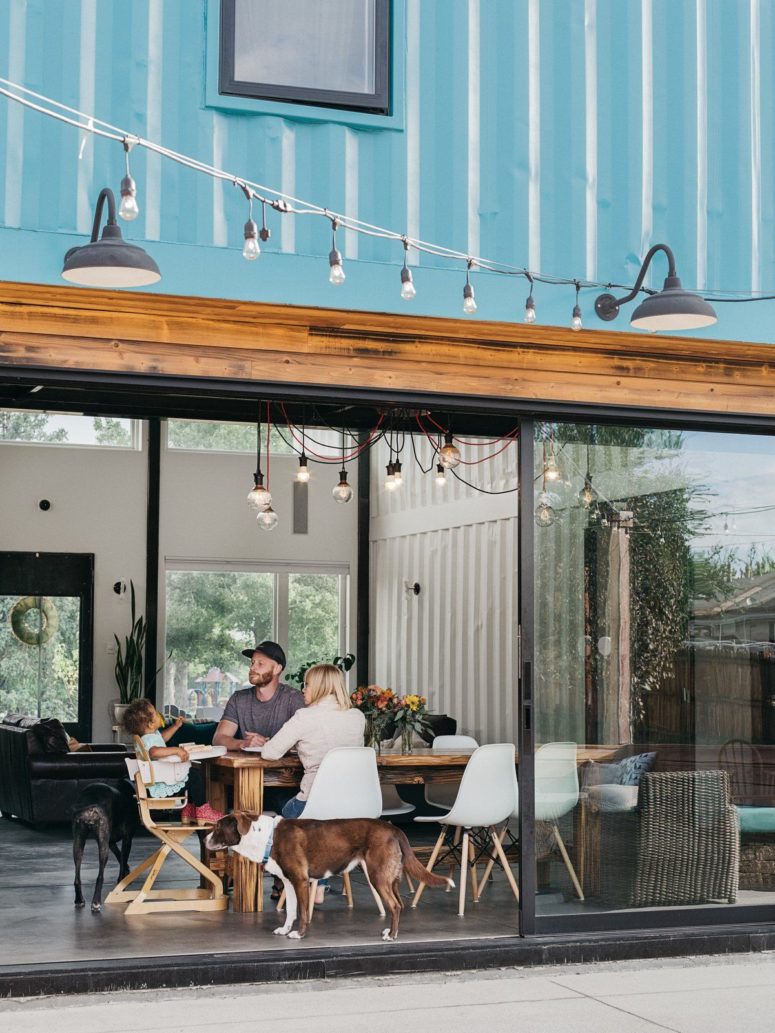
{"x":248,"y":876}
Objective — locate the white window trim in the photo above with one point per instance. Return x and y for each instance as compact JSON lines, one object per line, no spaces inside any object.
{"x":136,"y":432}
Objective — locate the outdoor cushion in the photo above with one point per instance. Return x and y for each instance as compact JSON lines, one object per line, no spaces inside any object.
{"x":756,"y":819}
{"x":613,"y":798}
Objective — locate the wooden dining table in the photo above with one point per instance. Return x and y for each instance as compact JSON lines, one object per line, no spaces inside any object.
{"x":249,"y":774}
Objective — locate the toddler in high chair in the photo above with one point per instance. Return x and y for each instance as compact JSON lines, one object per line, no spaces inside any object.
{"x":141,"y":718}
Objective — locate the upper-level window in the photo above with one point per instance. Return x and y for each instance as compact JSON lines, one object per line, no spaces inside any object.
{"x":210,"y":436}
{"x":333,"y":54}
{"x":48,"y":428}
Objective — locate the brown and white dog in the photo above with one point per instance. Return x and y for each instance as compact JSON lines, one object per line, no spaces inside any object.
{"x":299,"y":849}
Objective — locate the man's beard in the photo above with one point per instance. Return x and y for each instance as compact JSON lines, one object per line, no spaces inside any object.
{"x":258,"y":680}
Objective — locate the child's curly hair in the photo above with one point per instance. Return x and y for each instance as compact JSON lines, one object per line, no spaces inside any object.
{"x":137,"y":716}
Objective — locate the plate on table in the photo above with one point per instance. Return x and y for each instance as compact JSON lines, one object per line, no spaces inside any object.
{"x":252,"y":749}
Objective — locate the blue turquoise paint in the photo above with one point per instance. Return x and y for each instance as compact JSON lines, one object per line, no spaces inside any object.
{"x":660,"y":173}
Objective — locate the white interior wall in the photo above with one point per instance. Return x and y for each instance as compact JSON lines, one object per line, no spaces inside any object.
{"x":455,"y":642}
{"x":205,"y":515}
{"x":98,"y":498}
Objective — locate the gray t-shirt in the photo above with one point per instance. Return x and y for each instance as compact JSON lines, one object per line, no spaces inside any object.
{"x":251,"y":715}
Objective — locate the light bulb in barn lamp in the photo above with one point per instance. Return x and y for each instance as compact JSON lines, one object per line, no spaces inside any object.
{"x":407,"y":286}
{"x":449,"y":453}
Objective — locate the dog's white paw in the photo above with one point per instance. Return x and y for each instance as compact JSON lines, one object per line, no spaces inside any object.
{"x":451,"y":883}
{"x":281,"y":930}
{"x":294,"y":935}
{"x":96,"y":907}
{"x":387,"y":937}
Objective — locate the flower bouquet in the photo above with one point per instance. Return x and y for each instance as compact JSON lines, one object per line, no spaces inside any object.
{"x":378,"y":705}
{"x":409,"y":715}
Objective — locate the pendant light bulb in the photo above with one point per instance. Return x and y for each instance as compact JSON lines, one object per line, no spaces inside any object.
{"x":588,"y":496}
{"x":575,"y":323}
{"x":342,"y":492}
{"x":551,"y":469}
{"x":267,"y":519}
{"x":449,"y":453}
{"x":398,"y":477}
{"x":441,"y":475}
{"x":407,"y":287}
{"x":390,"y":478}
{"x":259,"y":497}
{"x":530,"y":309}
{"x":251,"y":250}
{"x":545,"y":514}
{"x":128,"y":209}
{"x":336,"y":272}
{"x":469,"y":302}
{"x":302,"y":474}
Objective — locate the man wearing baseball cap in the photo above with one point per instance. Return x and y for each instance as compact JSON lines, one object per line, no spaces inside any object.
{"x":256,"y":714}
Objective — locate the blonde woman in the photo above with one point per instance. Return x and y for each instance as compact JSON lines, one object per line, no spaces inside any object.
{"x":327,"y":720}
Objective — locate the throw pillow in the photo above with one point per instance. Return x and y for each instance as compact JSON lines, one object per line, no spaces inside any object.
{"x":51,"y":736}
{"x":632,"y":768}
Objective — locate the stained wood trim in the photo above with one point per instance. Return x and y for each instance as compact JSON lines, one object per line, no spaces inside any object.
{"x":72,"y":328}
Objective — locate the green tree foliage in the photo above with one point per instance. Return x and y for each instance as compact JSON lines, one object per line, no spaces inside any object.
{"x":28,"y":426}
{"x":111,"y":432}
{"x":221,"y":437}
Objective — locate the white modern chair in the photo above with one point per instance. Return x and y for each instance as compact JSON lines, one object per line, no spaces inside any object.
{"x":442,"y":794}
{"x":346,"y":786}
{"x":556,"y":794}
{"x":486,"y":798}
{"x":392,"y":804}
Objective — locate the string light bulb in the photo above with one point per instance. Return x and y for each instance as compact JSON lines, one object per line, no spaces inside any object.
{"x":251,"y":249}
{"x":530,"y":305}
{"x":302,"y":474}
{"x":441,"y":475}
{"x":407,"y":286}
{"x":588,"y":496}
{"x":469,"y":301}
{"x":128,"y":209}
{"x":398,"y":477}
{"x":267,"y":519}
{"x":336,"y":272}
{"x":390,"y":478}
{"x":449,"y":453}
{"x":342,"y":492}
{"x":575,"y":323}
{"x":551,"y":469}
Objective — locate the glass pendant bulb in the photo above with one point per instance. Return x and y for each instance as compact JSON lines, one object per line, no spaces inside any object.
{"x":551,"y":470}
{"x":441,"y":475}
{"x":575,"y":323}
{"x":390,"y":479}
{"x":336,"y":272}
{"x":544,"y":514}
{"x":398,"y":477}
{"x":302,"y":474}
{"x":342,"y":492}
{"x":469,"y":302}
{"x":251,"y":250}
{"x":267,"y":519}
{"x":588,"y":496}
{"x":128,"y":209}
{"x":259,"y":497}
{"x":530,"y":310}
{"x":407,"y":287}
{"x":449,"y":453}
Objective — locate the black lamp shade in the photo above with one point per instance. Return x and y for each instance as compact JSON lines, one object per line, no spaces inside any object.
{"x":110,"y":262}
{"x":673,"y":308}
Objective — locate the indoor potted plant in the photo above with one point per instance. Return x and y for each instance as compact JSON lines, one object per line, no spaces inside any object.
{"x":129,"y":662}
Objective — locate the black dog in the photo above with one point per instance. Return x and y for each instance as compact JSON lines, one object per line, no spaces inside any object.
{"x":110,"y":815}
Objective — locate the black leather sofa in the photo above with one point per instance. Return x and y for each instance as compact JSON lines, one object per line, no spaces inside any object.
{"x":41,"y":787}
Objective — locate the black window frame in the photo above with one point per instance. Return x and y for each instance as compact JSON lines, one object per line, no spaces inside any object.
{"x":60,"y":573}
{"x":376,"y":103}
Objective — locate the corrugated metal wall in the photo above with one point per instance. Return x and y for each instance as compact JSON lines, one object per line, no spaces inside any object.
{"x":565,"y":135}
{"x":455,"y":642}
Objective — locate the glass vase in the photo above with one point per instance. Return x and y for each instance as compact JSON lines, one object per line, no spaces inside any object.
{"x":407,"y":737}
{"x":371,"y":733}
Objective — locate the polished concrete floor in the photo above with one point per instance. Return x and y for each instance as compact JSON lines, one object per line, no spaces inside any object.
{"x":40,"y":924}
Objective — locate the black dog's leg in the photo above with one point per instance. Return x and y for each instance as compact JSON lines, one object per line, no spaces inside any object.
{"x":102,"y":843}
{"x":126,"y":846}
{"x":79,"y":840}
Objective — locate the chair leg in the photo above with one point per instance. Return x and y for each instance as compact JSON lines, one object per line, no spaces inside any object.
{"x":431,"y":862}
{"x":472,"y":861}
{"x":281,"y":901}
{"x":377,"y":898}
{"x":348,"y":890}
{"x":498,"y":845}
{"x":461,"y":900}
{"x":483,"y":882}
{"x":409,"y":883}
{"x":568,"y":865}
{"x":455,"y":841}
{"x":313,"y":889}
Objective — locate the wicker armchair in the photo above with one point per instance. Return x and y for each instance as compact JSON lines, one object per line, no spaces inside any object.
{"x":680,"y":845}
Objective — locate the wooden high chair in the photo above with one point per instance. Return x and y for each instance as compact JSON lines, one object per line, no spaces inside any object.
{"x":148,"y":900}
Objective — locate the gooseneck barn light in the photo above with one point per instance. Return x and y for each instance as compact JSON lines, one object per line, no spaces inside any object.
{"x":110,"y":261}
{"x":672,"y":308}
